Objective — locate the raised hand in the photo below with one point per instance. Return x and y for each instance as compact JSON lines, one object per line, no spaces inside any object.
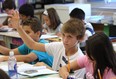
{"x":14,"y":20}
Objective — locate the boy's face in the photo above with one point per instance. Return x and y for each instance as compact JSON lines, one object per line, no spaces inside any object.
{"x":46,"y":20}
{"x":22,"y":17}
{"x":34,"y":36}
{"x":9,"y":11}
{"x":69,"y":40}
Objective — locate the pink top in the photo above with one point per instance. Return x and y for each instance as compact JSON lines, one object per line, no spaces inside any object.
{"x":85,"y":62}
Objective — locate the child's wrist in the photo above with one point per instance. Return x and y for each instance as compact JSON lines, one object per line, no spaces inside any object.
{"x":68,"y":67}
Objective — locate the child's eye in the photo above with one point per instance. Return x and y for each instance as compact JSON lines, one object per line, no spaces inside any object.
{"x":63,"y":34}
{"x":69,"y":36}
{"x":27,"y":32}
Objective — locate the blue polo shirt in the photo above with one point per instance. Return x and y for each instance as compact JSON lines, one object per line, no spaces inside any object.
{"x":41,"y":56}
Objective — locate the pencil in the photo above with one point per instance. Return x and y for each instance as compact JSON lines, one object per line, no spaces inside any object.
{"x":68,"y":64}
{"x":99,"y":74}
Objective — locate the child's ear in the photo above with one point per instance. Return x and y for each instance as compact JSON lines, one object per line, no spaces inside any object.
{"x":38,"y":33}
{"x":81,"y":39}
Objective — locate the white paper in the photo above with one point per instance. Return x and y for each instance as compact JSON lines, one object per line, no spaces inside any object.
{"x":5,"y":29}
{"x":48,"y":36}
{"x":24,"y":67}
{"x":39,"y":72}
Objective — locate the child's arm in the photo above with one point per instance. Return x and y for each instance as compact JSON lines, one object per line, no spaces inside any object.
{"x":26,"y":39}
{"x":5,"y":50}
{"x":64,"y":71}
{"x":43,"y":64}
{"x":21,"y":58}
{"x":26,"y":58}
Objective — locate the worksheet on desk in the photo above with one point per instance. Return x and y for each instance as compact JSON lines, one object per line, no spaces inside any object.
{"x":32,"y":71}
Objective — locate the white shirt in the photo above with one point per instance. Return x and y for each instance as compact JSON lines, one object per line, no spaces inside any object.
{"x":58,"y":29}
{"x":57,"y":50}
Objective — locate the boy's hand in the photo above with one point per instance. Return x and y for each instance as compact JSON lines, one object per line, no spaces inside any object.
{"x":14,"y":20}
{"x":43,"y":64}
{"x":63,"y":72}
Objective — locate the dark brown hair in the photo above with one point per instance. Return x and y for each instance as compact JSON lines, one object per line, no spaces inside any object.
{"x":34,"y":23}
{"x":8,"y":4}
{"x":3,"y":75}
{"x":99,"y":48}
{"x":54,"y":18}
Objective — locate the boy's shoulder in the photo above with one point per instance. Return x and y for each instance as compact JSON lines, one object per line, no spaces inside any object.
{"x":43,"y":41}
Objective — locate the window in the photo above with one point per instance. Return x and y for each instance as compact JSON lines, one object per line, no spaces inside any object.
{"x":95,"y":0}
{"x":111,"y":0}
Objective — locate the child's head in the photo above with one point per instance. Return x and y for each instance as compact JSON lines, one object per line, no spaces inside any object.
{"x":9,"y":6}
{"x":77,"y":13}
{"x":33,"y":28}
{"x":99,"y":49}
{"x":73,"y":28}
{"x":51,"y":18}
{"x":3,"y":75}
{"x":26,"y":11}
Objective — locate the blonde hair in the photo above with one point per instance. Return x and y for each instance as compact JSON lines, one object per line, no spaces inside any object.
{"x":74,"y":27}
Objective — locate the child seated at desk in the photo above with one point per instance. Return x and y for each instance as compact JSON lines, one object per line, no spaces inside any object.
{"x":26,"y":11}
{"x":80,"y":14}
{"x":52,"y":21}
{"x":23,"y":53}
{"x":8,"y":6}
{"x":99,"y":61}
{"x":63,"y":52}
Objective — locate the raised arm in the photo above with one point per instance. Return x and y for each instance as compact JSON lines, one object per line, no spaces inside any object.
{"x":27,"y":39}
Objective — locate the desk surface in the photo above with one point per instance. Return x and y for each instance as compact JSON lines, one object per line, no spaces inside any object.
{"x":10,"y":34}
{"x":3,"y":66}
{"x":15,"y":34}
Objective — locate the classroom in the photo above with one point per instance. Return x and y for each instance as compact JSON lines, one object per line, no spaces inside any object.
{"x":58,"y":39}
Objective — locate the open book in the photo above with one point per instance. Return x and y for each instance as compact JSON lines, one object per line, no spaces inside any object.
{"x":31,"y":71}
